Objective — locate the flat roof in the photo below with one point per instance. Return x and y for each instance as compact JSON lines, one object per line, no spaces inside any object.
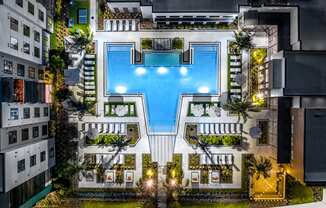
{"x":227,"y":6}
{"x":305,"y":73}
{"x":315,"y":146}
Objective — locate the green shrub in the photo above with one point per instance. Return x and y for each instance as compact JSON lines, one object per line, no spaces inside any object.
{"x":106,"y":139}
{"x":130,"y":161}
{"x":174,"y":169}
{"x":194,"y":161}
{"x":177,"y":43}
{"x":147,"y":43}
{"x":227,"y":140}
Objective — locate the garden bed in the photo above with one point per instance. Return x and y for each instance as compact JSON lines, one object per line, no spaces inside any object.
{"x":149,"y":168}
{"x":177,"y":43}
{"x":174,"y":169}
{"x":130,"y":162}
{"x":194,"y":161}
{"x":132,"y":112}
{"x":257,"y":59}
{"x":73,"y":14}
{"x":216,"y":140}
{"x":146,"y":43}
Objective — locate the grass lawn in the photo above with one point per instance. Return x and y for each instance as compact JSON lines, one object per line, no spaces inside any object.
{"x":215,"y":205}
{"x":73,"y":13}
{"x":95,"y":204}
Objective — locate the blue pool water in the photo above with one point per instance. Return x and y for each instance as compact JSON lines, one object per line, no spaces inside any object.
{"x":162,"y":79}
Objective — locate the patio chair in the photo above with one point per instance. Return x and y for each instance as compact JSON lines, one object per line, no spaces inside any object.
{"x":133,"y":25}
{"x":233,"y":128}
{"x":105,"y":128}
{"x":111,"y":128}
{"x":114,"y":25}
{"x":108,"y":26}
{"x":223,"y":159}
{"x":123,"y":128}
{"x":222,"y":128}
{"x":93,"y":125}
{"x":217,"y":128}
{"x":206,"y":128}
{"x":230,"y":159}
{"x":86,"y":127}
{"x":127,"y":26}
{"x":235,"y":90}
{"x":120,"y":26}
{"x":116,"y":128}
{"x":100,"y":128}
{"x":211,"y":129}
{"x":215,"y":159}
{"x":239,"y":128}
{"x":227,"y":128}
{"x":203,"y":159}
{"x":201,"y":128}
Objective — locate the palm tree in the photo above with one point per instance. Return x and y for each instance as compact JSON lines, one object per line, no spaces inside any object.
{"x":243,"y":40}
{"x":119,"y":144}
{"x":241,"y":107}
{"x":82,"y":38}
{"x":261,"y":167}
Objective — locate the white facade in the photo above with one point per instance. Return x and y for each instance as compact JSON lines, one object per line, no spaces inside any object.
{"x":38,"y":113}
{"x":23,"y":163}
{"x":11,"y":15}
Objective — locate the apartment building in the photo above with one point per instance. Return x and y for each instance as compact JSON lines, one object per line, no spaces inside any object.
{"x":27,"y":152}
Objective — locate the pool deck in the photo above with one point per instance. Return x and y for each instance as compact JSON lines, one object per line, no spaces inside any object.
{"x":179,"y":144}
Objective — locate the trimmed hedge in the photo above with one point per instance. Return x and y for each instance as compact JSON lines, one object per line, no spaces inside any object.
{"x":226,"y":140}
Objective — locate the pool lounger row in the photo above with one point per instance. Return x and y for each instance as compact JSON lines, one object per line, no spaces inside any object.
{"x":111,"y":128}
{"x":120,"y":25}
{"x":218,"y":159}
{"x":219,"y":128}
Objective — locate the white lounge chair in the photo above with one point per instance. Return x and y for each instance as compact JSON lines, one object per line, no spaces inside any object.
{"x":133,"y":25}
{"x":233,"y":128}
{"x":86,"y":127}
{"x":239,"y":128}
{"x":222,"y":128}
{"x":116,"y":128}
{"x":235,"y":90}
{"x":121,"y":159}
{"x":211,"y":129}
{"x":203,"y":159}
{"x":120,"y":26}
{"x":230,"y":159}
{"x":111,"y":128}
{"x":123,"y":128}
{"x":223,"y":161}
{"x":233,"y":57}
{"x":217,"y":128}
{"x":114,"y":25}
{"x":227,"y":128}
{"x":108,"y":26}
{"x":215,"y":159}
{"x":201,"y":128}
{"x":105,"y":128}
{"x":100,"y":127}
{"x":127,"y":26}
{"x":206,"y":128}
{"x":235,"y":69}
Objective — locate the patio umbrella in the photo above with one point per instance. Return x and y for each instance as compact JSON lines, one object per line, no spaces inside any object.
{"x":91,"y":133}
{"x":240,"y":79}
{"x":255,"y":132}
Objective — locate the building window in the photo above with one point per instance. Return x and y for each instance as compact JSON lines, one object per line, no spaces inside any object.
{"x":14,"y":114}
{"x":27,"y":113}
{"x":19,"y":3}
{"x":31,"y":72}
{"x":31,"y":8}
{"x":51,"y":152}
{"x":25,"y":134}
{"x":26,"y":48}
{"x":35,"y":131}
{"x":27,"y":30}
{"x":20,"y":165}
{"x":41,"y":74}
{"x":37,"y":36}
{"x":13,"y":24}
{"x":12,"y":135}
{"x":13,"y":44}
{"x":41,"y":15}
{"x":44,"y":130}
{"x":37,"y":52}
{"x":45,"y":111}
{"x":32,"y":160}
{"x":43,"y":156}
{"x":8,"y":67}
{"x":36,"y":112}
{"x":20,"y":70}
{"x":82,"y":16}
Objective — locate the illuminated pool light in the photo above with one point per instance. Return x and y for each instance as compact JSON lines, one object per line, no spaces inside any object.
{"x":162,"y":70}
{"x":120,"y":89}
{"x":140,"y":71}
{"x":183,"y":71}
{"x":203,"y":89}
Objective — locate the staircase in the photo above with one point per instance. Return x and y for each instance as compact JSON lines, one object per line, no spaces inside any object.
{"x":162,"y":147}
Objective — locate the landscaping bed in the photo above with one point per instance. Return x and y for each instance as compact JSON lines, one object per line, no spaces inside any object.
{"x":174,"y":169}
{"x":146,"y":43}
{"x":216,"y":140}
{"x":113,"y":105}
{"x":100,"y":204}
{"x":177,"y":43}
{"x":194,"y":161}
{"x":150,"y":169}
{"x":73,"y":14}
{"x":257,"y":59}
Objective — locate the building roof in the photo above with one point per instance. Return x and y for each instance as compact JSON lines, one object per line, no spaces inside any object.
{"x":305,"y":73}
{"x":227,"y":6}
{"x":314,"y":146}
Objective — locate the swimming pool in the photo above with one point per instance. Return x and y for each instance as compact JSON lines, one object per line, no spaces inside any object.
{"x":162,"y":79}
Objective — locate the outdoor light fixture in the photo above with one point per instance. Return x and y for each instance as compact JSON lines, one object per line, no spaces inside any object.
{"x":203,"y":89}
{"x":140,"y":71}
{"x":149,"y":173}
{"x":162,"y":70}
{"x":149,"y":183}
{"x":173,"y":182}
{"x":120,"y":89}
